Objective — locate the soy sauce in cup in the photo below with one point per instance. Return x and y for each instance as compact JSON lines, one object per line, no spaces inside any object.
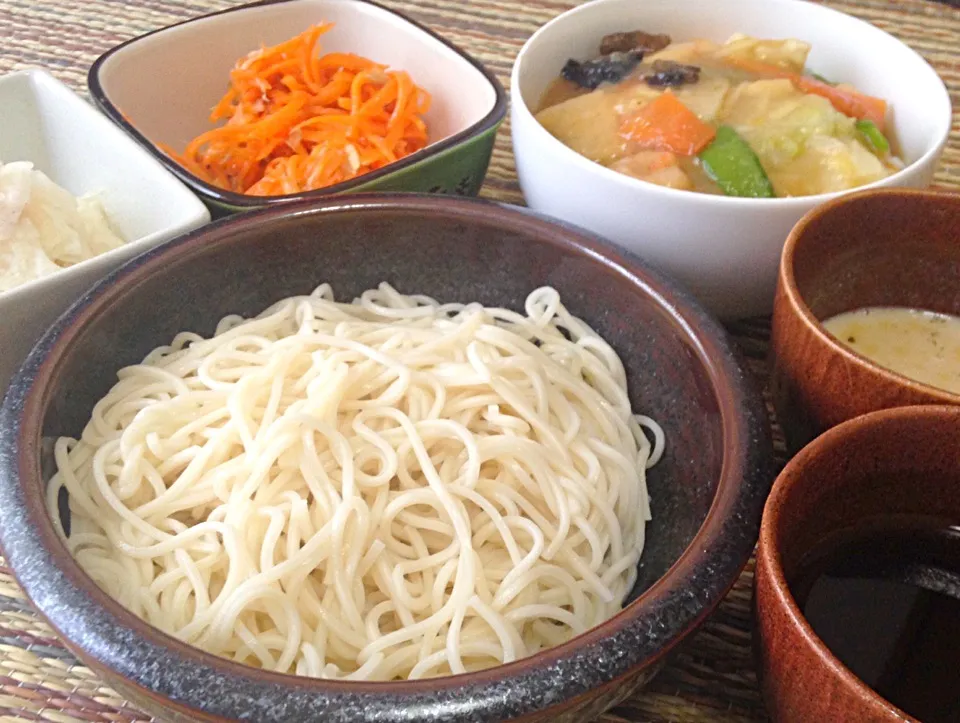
{"x":884,"y":596}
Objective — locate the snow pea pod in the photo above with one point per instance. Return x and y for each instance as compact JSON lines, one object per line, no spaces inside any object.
{"x":733,"y":165}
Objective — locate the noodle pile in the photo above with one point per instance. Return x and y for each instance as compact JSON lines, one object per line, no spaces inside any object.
{"x":387,"y":489}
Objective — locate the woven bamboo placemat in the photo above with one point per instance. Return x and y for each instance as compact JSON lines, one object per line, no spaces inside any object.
{"x":711,"y":677}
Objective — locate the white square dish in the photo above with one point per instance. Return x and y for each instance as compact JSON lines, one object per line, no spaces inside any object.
{"x":44,"y":122}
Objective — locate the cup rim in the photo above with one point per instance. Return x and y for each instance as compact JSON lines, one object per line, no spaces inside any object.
{"x":791,"y":291}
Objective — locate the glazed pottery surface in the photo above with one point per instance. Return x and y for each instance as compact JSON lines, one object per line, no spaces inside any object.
{"x":190,"y":74}
{"x":724,"y":249}
{"x":707,"y":491}
{"x":874,"y":248}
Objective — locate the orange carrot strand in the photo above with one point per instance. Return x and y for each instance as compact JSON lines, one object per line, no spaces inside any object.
{"x":294,"y":119}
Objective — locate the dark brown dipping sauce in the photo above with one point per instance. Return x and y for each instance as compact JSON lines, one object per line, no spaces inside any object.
{"x":885,"y":598}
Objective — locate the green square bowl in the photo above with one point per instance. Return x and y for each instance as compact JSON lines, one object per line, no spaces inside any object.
{"x":160,"y":88}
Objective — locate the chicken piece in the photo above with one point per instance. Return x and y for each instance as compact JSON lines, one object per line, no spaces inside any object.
{"x":659,"y":167}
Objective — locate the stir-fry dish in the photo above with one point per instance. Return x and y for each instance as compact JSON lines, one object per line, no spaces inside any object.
{"x":743,"y":118}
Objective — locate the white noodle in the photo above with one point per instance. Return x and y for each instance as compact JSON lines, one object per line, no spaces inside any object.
{"x":381,"y":490}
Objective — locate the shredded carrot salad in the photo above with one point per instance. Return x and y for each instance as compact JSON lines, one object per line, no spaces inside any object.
{"x":297,"y":120}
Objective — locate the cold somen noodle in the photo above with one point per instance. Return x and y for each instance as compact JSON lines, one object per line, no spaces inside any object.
{"x":393,"y":488}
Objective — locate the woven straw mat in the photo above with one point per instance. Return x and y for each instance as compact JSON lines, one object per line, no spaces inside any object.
{"x":711,"y":677}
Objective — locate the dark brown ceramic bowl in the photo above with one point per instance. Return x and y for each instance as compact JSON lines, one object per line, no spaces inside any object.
{"x":707,"y":492}
{"x":890,"y":247}
{"x":895,"y":461}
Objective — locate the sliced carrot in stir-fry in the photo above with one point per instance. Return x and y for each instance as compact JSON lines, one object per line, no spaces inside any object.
{"x":846,"y":100}
{"x":666,"y":124}
{"x":298,"y":121}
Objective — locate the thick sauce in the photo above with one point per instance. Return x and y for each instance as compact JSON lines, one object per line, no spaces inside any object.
{"x":778,"y":137}
{"x":918,"y":344}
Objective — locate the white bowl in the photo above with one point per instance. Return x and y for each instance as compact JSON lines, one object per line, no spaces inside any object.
{"x":726,"y":250}
{"x":46,"y":123}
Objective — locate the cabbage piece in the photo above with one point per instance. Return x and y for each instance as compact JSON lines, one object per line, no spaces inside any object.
{"x":786,"y":54}
{"x":690,"y":52}
{"x":44,"y":228}
{"x":792,"y":132}
{"x":590,"y":124}
{"x":776,"y":119}
{"x":826,"y":165}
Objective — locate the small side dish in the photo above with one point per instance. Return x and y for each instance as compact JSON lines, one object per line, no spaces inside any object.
{"x":44,"y":228}
{"x":743,"y":118}
{"x":298,"y":120}
{"x":919,"y":344}
{"x":677,"y":366}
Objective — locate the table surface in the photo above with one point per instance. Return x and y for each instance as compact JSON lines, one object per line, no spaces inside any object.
{"x":711,"y":676}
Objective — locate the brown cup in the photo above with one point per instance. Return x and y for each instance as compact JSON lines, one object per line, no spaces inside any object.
{"x":889,"y":247}
{"x":895,"y":461}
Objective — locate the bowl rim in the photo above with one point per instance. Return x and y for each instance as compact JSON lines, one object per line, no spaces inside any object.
{"x":769,"y":558}
{"x":585,"y":165}
{"x":791,"y":291}
{"x":224,"y":197}
{"x":79,"y":610}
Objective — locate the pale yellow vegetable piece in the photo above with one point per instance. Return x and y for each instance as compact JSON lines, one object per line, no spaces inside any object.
{"x":826,"y":165}
{"x":789,"y":54}
{"x":659,"y":167}
{"x":705,"y":97}
{"x":805,"y":145}
{"x":44,"y":228}
{"x":590,"y":124}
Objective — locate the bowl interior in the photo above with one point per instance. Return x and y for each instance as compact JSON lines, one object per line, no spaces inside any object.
{"x":901,"y":461}
{"x":243,"y":268}
{"x":844,"y":49}
{"x":45,"y":123}
{"x":881,"y":248}
{"x":166,"y":83}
